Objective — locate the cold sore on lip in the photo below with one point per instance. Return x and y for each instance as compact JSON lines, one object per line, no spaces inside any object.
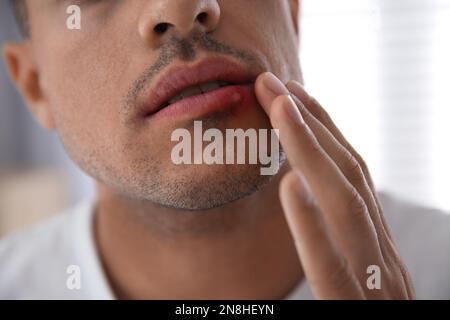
{"x":211,"y":84}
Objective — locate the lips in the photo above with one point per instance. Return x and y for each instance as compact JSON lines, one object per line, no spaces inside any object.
{"x":197,"y":90}
{"x":183,"y":88}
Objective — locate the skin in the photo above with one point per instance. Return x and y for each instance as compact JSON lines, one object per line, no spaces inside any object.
{"x":209,"y":232}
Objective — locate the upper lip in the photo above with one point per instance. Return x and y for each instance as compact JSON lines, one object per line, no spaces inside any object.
{"x":179,"y":78}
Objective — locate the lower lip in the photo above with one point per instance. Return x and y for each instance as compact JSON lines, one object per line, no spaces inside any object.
{"x":234,"y":97}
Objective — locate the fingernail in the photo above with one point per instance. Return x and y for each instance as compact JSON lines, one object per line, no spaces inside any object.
{"x":293,"y":112}
{"x":274,"y":84}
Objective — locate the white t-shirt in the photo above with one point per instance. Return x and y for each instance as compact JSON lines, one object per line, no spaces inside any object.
{"x":35,"y":264}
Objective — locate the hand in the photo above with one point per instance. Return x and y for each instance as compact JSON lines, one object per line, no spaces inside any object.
{"x":330,"y":202}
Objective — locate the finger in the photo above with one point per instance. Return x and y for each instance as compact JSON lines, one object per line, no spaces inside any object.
{"x":328,"y":273}
{"x":386,"y":241}
{"x":350,"y":168}
{"x":346,"y":162}
{"x":319,"y":113}
{"x":267,"y":88}
{"x":344,"y":208}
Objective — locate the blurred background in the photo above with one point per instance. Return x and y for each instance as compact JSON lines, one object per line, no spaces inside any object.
{"x":37,"y":179}
{"x":380,"y":67}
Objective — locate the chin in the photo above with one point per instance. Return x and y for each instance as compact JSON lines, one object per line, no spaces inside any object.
{"x":200,"y":188}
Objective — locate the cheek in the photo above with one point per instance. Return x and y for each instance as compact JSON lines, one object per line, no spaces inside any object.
{"x":283,"y":51}
{"x":266,"y":26}
{"x":84,"y":91}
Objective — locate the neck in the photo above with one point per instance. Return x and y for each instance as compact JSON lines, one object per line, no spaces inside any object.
{"x":241,"y":251}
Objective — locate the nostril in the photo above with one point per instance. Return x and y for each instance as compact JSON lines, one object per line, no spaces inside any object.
{"x":202,"y":17}
{"x":161,"y":28}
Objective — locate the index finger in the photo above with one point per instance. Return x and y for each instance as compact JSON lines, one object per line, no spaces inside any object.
{"x":344,"y":208}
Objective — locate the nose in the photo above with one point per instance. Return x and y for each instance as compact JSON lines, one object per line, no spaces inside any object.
{"x":163,"y":19}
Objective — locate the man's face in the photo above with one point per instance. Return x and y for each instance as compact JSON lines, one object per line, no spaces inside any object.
{"x":98,"y":81}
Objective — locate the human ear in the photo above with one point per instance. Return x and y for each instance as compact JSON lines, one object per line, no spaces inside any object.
{"x":24,"y":73}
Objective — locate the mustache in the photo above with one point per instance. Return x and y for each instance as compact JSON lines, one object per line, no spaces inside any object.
{"x":186,"y":49}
